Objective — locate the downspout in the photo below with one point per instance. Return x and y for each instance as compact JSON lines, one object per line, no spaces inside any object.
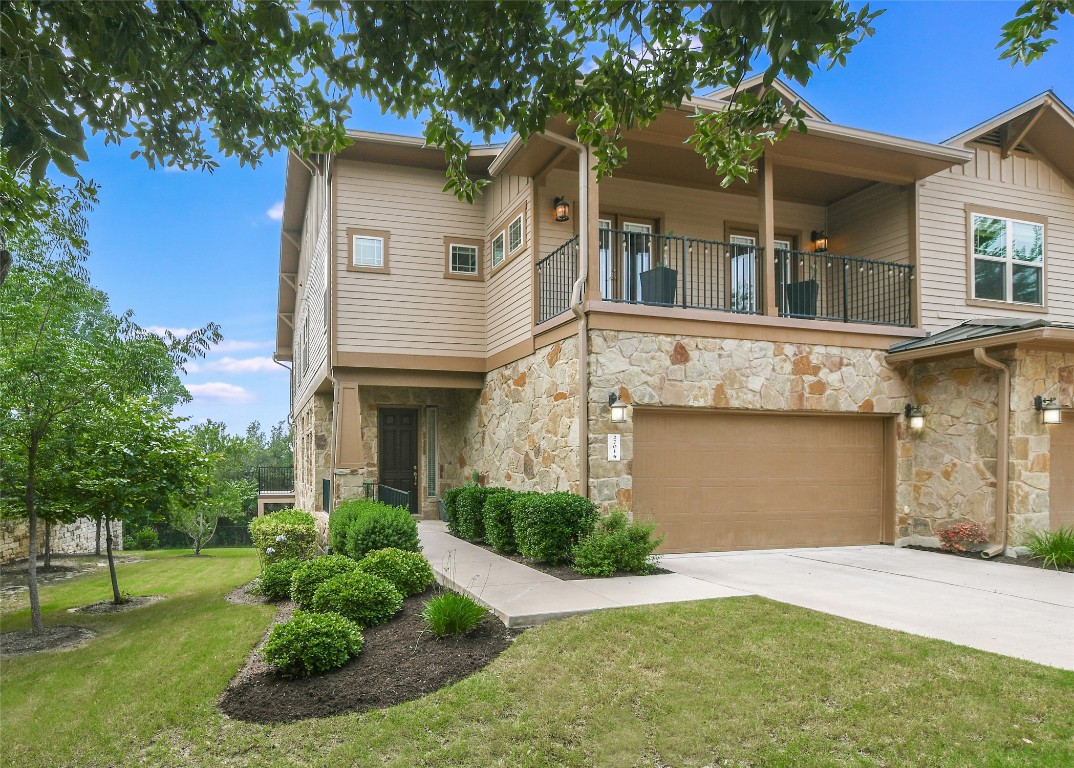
{"x":577,"y":306}
{"x":1003,"y":419}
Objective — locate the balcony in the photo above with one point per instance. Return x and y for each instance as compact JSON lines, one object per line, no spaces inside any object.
{"x":275,"y":488}
{"x":691,"y":273}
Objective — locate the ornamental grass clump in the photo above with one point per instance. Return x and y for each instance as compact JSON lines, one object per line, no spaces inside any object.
{"x":961,"y":536}
{"x":312,"y":642}
{"x":1055,"y":548}
{"x":367,"y":525}
{"x":275,"y":581}
{"x":617,"y":545}
{"x":408,"y":572}
{"x":452,"y":614}
{"x":363,"y":598}
{"x":548,"y":525}
{"x":289,"y":533}
{"x":309,"y":576}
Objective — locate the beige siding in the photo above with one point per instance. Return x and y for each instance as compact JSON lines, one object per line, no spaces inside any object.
{"x":872,"y":224}
{"x":509,"y":287}
{"x":311,"y":328}
{"x":1021,"y":183}
{"x":414,"y":309}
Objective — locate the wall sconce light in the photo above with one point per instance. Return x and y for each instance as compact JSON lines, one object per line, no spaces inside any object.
{"x":563,"y":209}
{"x":915,"y":416}
{"x":820,"y":241}
{"x":619,"y":408}
{"x":1050,"y":411}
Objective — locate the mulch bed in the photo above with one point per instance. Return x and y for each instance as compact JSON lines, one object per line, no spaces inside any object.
{"x":106,"y":607}
{"x":62,"y":638}
{"x":399,"y":662}
{"x":1023,"y":561}
{"x":563,"y":572}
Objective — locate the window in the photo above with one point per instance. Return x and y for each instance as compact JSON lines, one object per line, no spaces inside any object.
{"x":497,"y":249}
{"x":1008,"y":259}
{"x":515,"y":233}
{"x":431,"y":463}
{"x":369,"y":250}
{"x":462,"y":258}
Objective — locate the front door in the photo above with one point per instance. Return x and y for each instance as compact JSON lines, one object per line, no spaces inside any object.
{"x":399,"y":451}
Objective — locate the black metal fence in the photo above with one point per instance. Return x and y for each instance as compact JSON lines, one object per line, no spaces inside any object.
{"x":225,"y":536}
{"x":844,"y":288}
{"x":393,"y":496}
{"x":275,"y":480}
{"x":556,"y":274}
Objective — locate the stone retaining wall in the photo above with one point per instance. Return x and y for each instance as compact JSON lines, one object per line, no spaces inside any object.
{"x":74,"y":538}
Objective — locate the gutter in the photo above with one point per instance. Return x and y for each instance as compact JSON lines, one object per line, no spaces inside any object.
{"x":1003,"y":419}
{"x":578,"y":308}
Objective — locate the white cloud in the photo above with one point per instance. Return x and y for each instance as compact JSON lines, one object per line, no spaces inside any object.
{"x":237,"y":345}
{"x":160,"y":330}
{"x":276,"y":211}
{"x":243,"y":365}
{"x":219,"y":390}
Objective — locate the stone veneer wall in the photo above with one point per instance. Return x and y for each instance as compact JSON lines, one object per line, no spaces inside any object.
{"x":313,"y":455}
{"x":650,"y":369}
{"x":77,"y":537}
{"x":523,"y":433}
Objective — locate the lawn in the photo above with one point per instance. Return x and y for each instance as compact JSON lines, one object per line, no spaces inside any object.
{"x":742,"y":681}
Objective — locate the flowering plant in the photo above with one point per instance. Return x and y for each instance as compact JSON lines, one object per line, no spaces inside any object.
{"x":954,"y":538}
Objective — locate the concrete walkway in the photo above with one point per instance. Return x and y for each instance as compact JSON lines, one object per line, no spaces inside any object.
{"x":1027,"y":613}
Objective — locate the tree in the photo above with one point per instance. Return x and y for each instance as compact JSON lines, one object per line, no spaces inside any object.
{"x":222,"y":499}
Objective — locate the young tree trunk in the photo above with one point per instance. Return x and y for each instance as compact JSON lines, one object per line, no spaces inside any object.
{"x":97,"y":551}
{"x":37,"y":626}
{"x":48,"y":544}
{"x":201,"y":534}
{"x":111,"y":561}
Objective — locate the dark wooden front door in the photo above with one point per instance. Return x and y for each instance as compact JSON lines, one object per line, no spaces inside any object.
{"x":399,"y":450}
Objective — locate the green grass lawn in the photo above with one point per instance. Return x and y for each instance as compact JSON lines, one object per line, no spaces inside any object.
{"x":741,"y":681}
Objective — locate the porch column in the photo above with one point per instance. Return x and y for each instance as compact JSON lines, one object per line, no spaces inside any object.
{"x":348,"y":428}
{"x":592,"y":289}
{"x":766,"y":226}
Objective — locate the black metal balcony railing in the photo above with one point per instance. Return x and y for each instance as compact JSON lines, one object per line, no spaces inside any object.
{"x":275,"y":480}
{"x":844,"y":288}
{"x":393,"y":496}
{"x":556,"y":274}
{"x":693,"y":273}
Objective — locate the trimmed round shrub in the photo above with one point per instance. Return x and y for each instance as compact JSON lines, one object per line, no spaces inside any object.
{"x":338,"y":523}
{"x":275,"y":581}
{"x":500,"y":520}
{"x":470,"y":512}
{"x":371,"y":525}
{"x":146,"y":538}
{"x":363,"y":598}
{"x":311,"y":643}
{"x":408,"y":572}
{"x":452,"y":614}
{"x":289,"y":533}
{"x":548,"y":525}
{"x":617,"y":545}
{"x":451,"y":498}
{"x":313,"y":573}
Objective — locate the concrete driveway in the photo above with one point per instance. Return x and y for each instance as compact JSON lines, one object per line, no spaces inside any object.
{"x":1023,"y":612}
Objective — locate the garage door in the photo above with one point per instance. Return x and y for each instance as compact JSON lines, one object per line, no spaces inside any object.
{"x":719,"y":481}
{"x":1061,"y":497}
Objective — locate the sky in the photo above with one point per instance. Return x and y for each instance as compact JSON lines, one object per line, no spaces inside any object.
{"x":183,"y":249}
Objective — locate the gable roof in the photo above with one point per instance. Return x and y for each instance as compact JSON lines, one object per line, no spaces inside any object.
{"x":1043,"y":125}
{"x":756,"y":85}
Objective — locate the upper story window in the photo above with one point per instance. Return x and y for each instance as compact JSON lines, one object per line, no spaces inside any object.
{"x":1008,"y":259}
{"x":369,"y":250}
{"x":498,"y":249}
{"x":515,"y":233}
{"x":463,"y":258}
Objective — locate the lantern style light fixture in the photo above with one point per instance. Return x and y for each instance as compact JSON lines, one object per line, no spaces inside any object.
{"x":1050,"y":411}
{"x":563,"y":209}
{"x":619,"y":408}
{"x":820,"y":241}
{"x":915,"y":416}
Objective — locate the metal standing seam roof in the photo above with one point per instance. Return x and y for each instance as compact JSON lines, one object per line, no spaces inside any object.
{"x":975,"y":329}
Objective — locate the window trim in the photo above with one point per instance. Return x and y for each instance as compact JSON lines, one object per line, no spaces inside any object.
{"x":382,"y":234}
{"x":467,"y":242}
{"x":501,"y":235}
{"x":520,"y":217}
{"x":1010,"y":215}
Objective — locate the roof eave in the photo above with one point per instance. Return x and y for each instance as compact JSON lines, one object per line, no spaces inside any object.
{"x":1062,"y":336}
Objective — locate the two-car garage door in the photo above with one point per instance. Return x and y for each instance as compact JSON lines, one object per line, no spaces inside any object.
{"x":723,"y":481}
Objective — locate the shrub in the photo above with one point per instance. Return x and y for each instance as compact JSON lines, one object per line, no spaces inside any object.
{"x":954,"y":538}
{"x":146,"y":538}
{"x":452,"y":614}
{"x":451,"y":498}
{"x":408,"y":572}
{"x":617,"y":545}
{"x":313,"y":573}
{"x":289,"y":533}
{"x":275,"y":581}
{"x":312,"y":642}
{"x":371,"y":525}
{"x":363,"y":598}
{"x":1056,"y":549}
{"x":500,"y":521}
{"x":548,"y":525}
{"x":470,"y":512}
{"x":339,"y":522}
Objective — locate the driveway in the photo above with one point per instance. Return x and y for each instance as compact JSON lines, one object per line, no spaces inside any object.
{"x":1017,"y":611}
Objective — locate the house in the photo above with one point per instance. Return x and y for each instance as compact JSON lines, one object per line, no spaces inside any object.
{"x":775,"y":344}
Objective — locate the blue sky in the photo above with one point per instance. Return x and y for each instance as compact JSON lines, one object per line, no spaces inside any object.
{"x":185,"y":248}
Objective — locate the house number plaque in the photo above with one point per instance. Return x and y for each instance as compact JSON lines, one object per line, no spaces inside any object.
{"x":614,"y":446}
